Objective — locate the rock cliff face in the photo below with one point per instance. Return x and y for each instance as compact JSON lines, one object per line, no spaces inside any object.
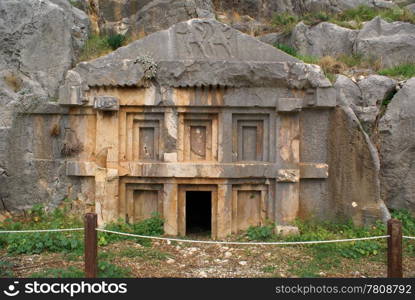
{"x":40,"y":40}
{"x":397,"y":150}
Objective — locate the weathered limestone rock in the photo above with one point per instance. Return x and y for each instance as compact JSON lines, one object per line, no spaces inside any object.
{"x":285,"y":230}
{"x":392,"y":43}
{"x":144,"y":17}
{"x":323,"y":39}
{"x":411,"y":7}
{"x":397,"y":149}
{"x":354,"y":168}
{"x":39,"y":41}
{"x":350,"y":89}
{"x":366,"y":96}
{"x":266,"y":9}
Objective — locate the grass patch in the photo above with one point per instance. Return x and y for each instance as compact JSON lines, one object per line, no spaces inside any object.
{"x":6,"y":269}
{"x":328,"y":254}
{"x":403,"y":71}
{"x":98,"y":45}
{"x":105,"y":270}
{"x":334,"y":65}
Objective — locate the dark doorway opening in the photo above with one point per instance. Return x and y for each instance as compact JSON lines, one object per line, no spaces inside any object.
{"x":198,"y":212}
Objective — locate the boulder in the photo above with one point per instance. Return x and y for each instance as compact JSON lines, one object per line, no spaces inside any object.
{"x":393,"y":43}
{"x":366,"y":96}
{"x":323,"y":39}
{"x":397,"y":149}
{"x":351,"y":92}
{"x":411,"y":7}
{"x":286,"y":230}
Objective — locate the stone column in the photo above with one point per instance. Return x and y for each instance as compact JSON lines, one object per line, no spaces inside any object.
{"x":288,"y":155}
{"x":106,"y":174}
{"x":224,"y":211}
{"x":170,"y":207}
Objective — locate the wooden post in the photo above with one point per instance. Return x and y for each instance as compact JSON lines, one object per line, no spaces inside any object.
{"x":395,"y":248}
{"x":91,"y":263}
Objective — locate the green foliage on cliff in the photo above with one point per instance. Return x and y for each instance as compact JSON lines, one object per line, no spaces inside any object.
{"x":403,"y":71}
{"x":99,"y":45}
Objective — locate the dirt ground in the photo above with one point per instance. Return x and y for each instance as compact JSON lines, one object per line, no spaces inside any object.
{"x":173,"y":259}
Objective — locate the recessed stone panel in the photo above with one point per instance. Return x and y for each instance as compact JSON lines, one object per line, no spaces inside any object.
{"x":143,"y":137}
{"x":198,"y":137}
{"x":251,"y":137}
{"x":248,"y":206}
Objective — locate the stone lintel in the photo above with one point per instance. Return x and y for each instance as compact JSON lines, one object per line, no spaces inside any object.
{"x":314,"y":170}
{"x":106,"y":103}
{"x":80,"y":168}
{"x":201,"y":170}
{"x":290,"y":104}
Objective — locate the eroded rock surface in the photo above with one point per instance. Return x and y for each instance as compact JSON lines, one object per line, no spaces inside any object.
{"x":397,"y":150}
{"x":39,"y":42}
{"x":392,"y":43}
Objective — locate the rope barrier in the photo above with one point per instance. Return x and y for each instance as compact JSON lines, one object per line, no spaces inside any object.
{"x":242,"y":243}
{"x":41,"y":230}
{"x":408,"y":237}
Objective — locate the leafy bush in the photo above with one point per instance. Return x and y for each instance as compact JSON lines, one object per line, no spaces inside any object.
{"x":37,"y":218}
{"x":260,"y":233}
{"x":115,"y":41}
{"x":150,"y":227}
{"x":404,"y":71}
{"x":73,"y":241}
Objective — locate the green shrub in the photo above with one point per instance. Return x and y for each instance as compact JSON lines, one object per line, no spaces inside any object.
{"x":115,"y":41}
{"x":404,"y":71}
{"x":285,"y":21}
{"x":72,"y":241}
{"x":30,"y":243}
{"x":287,"y":49}
{"x":150,"y":227}
{"x":260,"y":233}
{"x":94,"y":47}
